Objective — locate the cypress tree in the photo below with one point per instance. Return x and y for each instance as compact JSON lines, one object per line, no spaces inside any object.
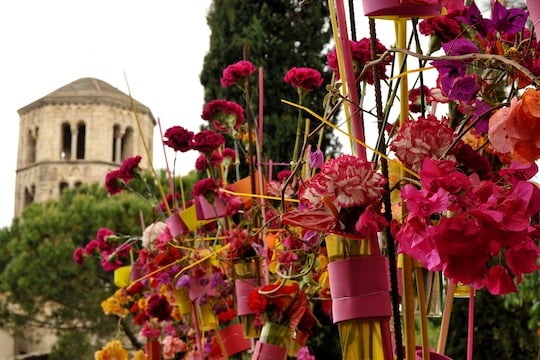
{"x":275,"y":35}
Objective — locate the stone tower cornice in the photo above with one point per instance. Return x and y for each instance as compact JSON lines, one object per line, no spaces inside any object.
{"x":75,"y":135}
{"x":110,"y":164}
{"x":88,"y":91}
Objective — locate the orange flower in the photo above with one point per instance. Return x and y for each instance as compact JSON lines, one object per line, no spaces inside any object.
{"x":516,"y":129}
{"x":113,"y":350}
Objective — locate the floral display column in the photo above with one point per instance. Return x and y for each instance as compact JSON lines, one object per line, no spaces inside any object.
{"x":359,"y":287}
{"x":273,"y":342}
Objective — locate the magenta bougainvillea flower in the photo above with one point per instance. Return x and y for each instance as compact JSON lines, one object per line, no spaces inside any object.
{"x":236,"y":73}
{"x":178,"y":138}
{"x":361,"y":54}
{"x":477,"y":232}
{"x":316,"y":158}
{"x":503,"y":20}
{"x":370,"y":222}
{"x":224,"y":115}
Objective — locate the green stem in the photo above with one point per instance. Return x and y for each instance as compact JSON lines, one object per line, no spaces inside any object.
{"x":299,"y":127}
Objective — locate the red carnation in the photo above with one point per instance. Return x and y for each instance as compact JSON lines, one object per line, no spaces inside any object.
{"x":205,"y":186}
{"x":113,"y":182}
{"x":207,"y":141}
{"x":257,"y":302}
{"x":178,"y":138}
{"x":159,"y":307}
{"x":305,"y":78}
{"x":116,"y":180}
{"x":223,"y":114}
{"x":130,"y":167}
{"x":235,"y":73}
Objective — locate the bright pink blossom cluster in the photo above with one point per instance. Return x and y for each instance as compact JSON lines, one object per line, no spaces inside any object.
{"x":107,"y":245}
{"x":361,"y":54}
{"x":478,"y":232}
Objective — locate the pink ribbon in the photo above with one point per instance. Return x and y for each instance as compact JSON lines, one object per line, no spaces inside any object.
{"x":402,"y":8}
{"x":360,"y":288}
{"x":207,"y":211}
{"x":233,"y":339}
{"x":176,"y":225}
{"x":265,"y":351}
{"x":243,"y":287}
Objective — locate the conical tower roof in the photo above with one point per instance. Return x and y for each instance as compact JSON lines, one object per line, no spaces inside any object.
{"x":87,"y":91}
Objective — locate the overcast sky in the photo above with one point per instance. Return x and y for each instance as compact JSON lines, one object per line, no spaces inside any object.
{"x":46,"y":44}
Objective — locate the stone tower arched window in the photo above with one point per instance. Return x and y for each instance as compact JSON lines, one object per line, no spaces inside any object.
{"x":81,"y":140}
{"x":63,"y":186}
{"x":117,"y":144}
{"x":29,"y":194}
{"x":65,"y":153}
{"x":127,"y":143}
{"x":31,"y":141}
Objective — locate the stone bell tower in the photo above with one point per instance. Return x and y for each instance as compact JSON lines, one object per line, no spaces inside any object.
{"x":76,"y":135}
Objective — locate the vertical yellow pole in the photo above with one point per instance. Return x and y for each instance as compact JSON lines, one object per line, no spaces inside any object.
{"x":445,"y":322}
{"x":408,"y":287}
{"x":420,"y":288}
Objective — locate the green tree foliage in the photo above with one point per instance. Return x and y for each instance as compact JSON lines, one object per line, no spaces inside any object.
{"x":501,"y":332}
{"x":275,"y":35}
{"x":42,"y":286}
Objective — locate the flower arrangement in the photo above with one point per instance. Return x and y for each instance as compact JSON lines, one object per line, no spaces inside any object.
{"x":453,"y":190}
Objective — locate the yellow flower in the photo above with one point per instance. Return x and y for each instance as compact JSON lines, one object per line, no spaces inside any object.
{"x":139,"y":355}
{"x":115,"y":304}
{"x":322,"y":261}
{"x":112,"y":351}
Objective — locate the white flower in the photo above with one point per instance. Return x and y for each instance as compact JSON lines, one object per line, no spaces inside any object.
{"x":151,"y":232}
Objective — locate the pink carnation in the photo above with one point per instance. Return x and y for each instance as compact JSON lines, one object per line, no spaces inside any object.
{"x":173,"y":345}
{"x":425,"y":137}
{"x":78,"y":256}
{"x":347,"y":181}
